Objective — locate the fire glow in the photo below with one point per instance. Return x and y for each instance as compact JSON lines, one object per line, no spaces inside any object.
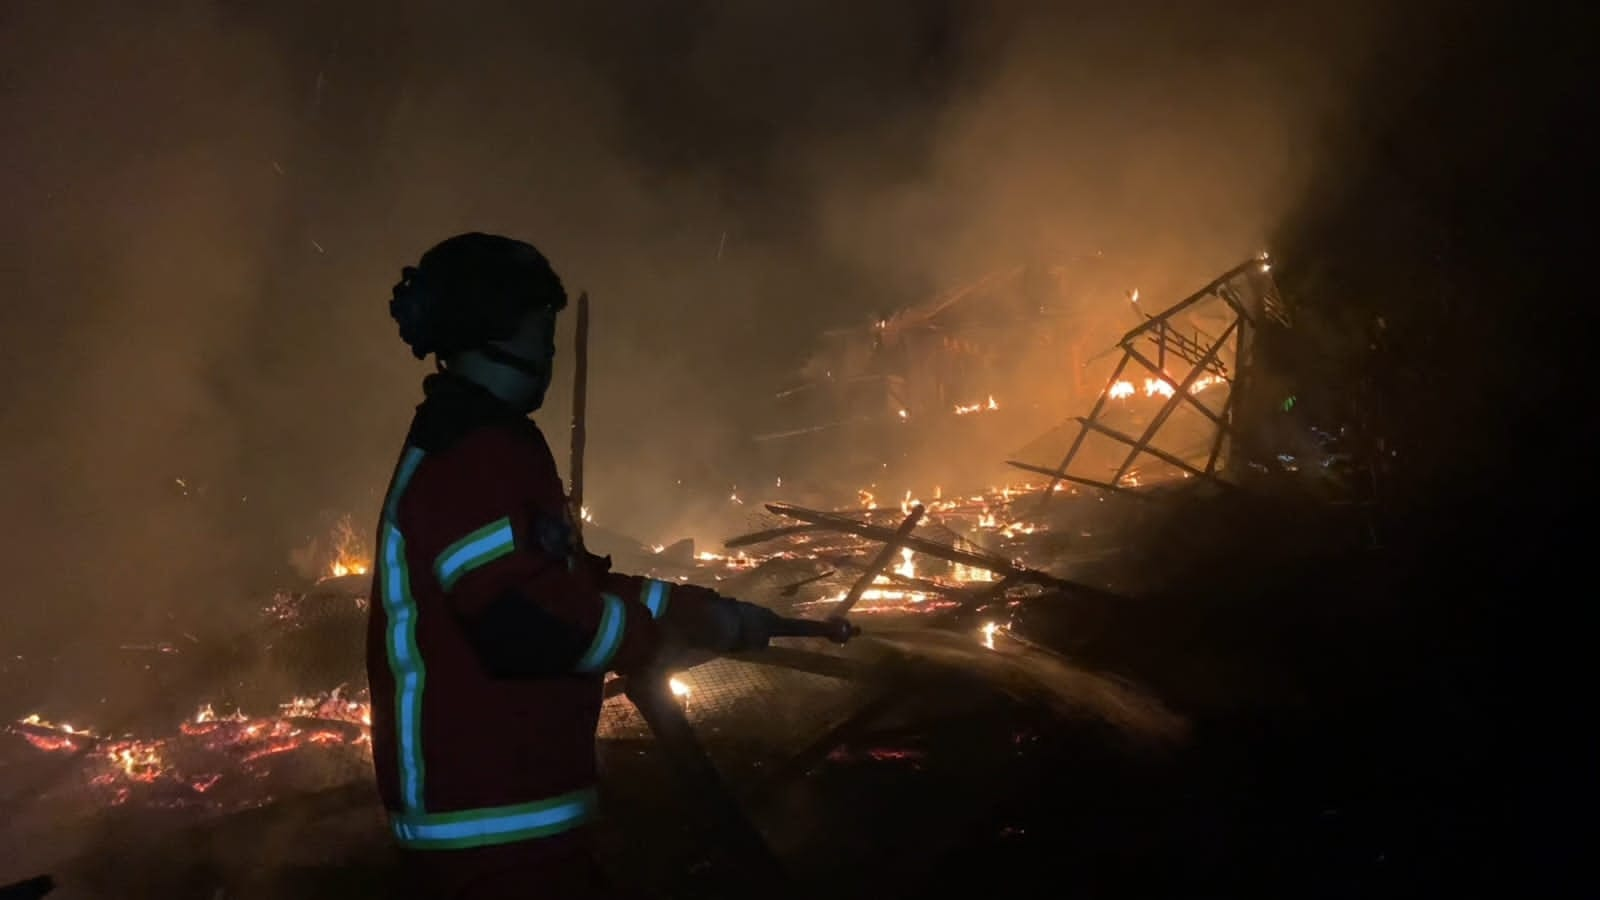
{"x":205,"y":749}
{"x":977,"y":407}
{"x":1160,"y":387}
{"x":350,"y":556}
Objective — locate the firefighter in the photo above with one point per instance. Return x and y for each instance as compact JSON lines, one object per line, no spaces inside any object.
{"x":491,"y":628}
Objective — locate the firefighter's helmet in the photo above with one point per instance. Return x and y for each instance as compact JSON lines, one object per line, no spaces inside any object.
{"x":470,"y":290}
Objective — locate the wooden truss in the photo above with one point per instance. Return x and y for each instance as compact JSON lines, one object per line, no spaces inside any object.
{"x":1251,"y":298}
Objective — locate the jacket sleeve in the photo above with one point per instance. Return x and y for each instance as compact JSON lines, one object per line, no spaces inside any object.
{"x":695,"y":615}
{"x":527,"y":603}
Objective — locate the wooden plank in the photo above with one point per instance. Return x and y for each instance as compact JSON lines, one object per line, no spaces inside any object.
{"x":770,"y":534}
{"x":1159,"y":454}
{"x":880,"y":562}
{"x":1077,"y":442}
{"x":1210,"y":290}
{"x":1193,"y":400}
{"x":1180,"y":393}
{"x":1086,"y":482}
{"x":932,"y":548}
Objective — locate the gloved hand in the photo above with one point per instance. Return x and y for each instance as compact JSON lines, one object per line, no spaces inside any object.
{"x":740,"y":626}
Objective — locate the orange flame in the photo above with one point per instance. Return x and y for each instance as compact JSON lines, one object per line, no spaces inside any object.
{"x":350,"y":556}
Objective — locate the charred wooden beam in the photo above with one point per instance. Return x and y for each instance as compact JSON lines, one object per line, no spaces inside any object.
{"x":1192,"y":399}
{"x":1179,"y":394}
{"x":789,"y":590}
{"x":1228,"y":406}
{"x":770,"y":534}
{"x":1077,"y":442}
{"x":983,"y":596}
{"x":924,"y":585}
{"x":984,"y":561}
{"x":1075,"y":479}
{"x":1210,"y":290}
{"x":1159,"y":454}
{"x":881,"y":561}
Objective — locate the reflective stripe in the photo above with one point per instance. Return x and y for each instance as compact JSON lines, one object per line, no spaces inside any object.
{"x":607,"y":636}
{"x":405,"y":660}
{"x":655,"y":596}
{"x":495,"y":824}
{"x":402,"y":479}
{"x":479,"y":548}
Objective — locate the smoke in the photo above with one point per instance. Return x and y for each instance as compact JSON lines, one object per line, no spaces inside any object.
{"x":210,"y":201}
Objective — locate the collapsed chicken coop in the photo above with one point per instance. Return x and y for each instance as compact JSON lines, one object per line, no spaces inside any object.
{"x":278,"y":716}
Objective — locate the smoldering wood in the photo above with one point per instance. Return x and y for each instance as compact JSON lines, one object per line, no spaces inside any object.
{"x":981,"y":597}
{"x":1162,"y":455}
{"x":1228,"y":406}
{"x":1077,"y":442}
{"x":881,"y":561}
{"x":769,"y":534}
{"x":1158,"y":330}
{"x":1214,"y":289}
{"x":1191,"y":399}
{"x":1180,"y":393}
{"x":984,"y":561}
{"x":789,"y":590}
{"x":925,"y":585}
{"x":1076,"y":479}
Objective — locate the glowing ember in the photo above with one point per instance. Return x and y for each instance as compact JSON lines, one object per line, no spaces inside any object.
{"x":739,"y":560}
{"x":988,"y":630}
{"x":205,"y":749}
{"x":679,"y":688}
{"x":971,"y":573}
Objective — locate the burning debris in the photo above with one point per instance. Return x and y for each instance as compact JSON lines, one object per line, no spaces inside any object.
{"x":933,"y":555}
{"x":953,"y":570}
{"x":211,"y":762}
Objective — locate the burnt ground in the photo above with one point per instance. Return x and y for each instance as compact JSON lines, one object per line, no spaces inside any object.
{"x":1353,"y":723}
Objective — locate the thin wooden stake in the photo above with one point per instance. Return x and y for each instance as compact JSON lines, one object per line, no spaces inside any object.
{"x":580,"y":396}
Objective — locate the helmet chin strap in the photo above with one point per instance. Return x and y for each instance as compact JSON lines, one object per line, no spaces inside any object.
{"x":519,"y":382}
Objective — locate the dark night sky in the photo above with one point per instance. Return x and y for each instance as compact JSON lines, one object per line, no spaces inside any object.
{"x":209,"y":200}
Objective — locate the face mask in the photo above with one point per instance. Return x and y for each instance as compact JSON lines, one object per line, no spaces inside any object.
{"x":517,"y":370}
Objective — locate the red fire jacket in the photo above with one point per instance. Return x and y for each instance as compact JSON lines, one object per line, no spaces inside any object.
{"x":475,"y":551}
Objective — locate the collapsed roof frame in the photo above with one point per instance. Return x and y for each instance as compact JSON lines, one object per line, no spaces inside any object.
{"x":1203,"y":357}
